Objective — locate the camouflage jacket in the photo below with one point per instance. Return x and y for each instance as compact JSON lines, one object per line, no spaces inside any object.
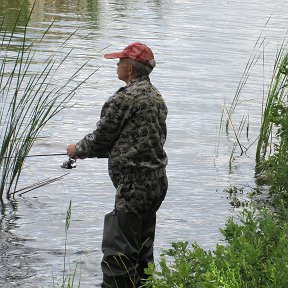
{"x":131,"y":131}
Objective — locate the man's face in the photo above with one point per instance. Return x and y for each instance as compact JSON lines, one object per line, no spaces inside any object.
{"x":123,"y":70}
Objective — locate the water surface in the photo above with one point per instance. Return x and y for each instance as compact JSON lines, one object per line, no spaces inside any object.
{"x":201,"y":50}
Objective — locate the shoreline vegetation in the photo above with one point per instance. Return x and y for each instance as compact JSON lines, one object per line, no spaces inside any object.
{"x":255,"y":251}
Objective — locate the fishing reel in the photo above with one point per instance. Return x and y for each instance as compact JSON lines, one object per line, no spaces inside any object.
{"x":69,"y":164}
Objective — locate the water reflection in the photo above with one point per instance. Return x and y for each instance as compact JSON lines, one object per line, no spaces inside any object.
{"x":93,"y":8}
{"x":15,"y":259}
{"x":44,"y":10}
{"x":8,"y":215}
{"x":10,"y":12}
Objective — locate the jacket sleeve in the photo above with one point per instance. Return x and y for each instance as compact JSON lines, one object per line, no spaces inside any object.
{"x":115,"y":113}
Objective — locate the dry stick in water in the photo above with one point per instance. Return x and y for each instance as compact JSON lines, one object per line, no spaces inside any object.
{"x":233,"y":128}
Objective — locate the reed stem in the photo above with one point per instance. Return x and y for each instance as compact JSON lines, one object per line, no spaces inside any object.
{"x":29,"y":99}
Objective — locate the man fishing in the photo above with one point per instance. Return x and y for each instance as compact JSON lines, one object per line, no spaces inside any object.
{"x":131,"y":133}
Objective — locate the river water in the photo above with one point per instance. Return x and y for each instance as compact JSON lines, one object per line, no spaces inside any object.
{"x":201,"y":48}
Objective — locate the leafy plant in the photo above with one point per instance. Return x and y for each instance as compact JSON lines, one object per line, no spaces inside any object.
{"x":256,"y":255}
{"x":233,"y":197}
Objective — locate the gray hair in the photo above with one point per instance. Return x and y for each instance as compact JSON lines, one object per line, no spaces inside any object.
{"x":140,"y":69}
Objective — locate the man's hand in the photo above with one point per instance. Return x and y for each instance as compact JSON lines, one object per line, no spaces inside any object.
{"x":71,"y":151}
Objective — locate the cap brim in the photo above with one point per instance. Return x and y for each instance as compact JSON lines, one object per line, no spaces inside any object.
{"x":114,"y":55}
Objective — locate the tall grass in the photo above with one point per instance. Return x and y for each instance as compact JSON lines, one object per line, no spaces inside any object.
{"x":28,"y":98}
{"x":227,"y":120}
{"x":68,"y":279}
{"x":272,"y":148}
{"x":277,"y":97}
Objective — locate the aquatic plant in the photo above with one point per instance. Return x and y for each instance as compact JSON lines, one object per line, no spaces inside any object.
{"x":29,"y":99}
{"x":275,"y":105}
{"x":227,"y":120}
{"x":235,"y":197}
{"x":272,"y":165}
{"x":69,"y":280}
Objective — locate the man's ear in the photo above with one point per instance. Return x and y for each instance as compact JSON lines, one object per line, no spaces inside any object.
{"x":130,"y":70}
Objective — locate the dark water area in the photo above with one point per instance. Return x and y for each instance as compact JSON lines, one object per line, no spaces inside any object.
{"x":201,"y":49}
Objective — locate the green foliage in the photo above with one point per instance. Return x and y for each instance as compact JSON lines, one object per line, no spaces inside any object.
{"x":273,"y":112}
{"x":189,"y":267}
{"x":257,"y":249}
{"x":255,"y":256}
{"x":233,"y":197}
{"x":273,"y":170}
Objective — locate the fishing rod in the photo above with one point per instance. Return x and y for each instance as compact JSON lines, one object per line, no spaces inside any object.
{"x":33,"y":155}
{"x":68,"y":164}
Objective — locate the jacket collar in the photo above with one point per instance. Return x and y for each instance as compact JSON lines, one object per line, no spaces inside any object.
{"x":137,"y":80}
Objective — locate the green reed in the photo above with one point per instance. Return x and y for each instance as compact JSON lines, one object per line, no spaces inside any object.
{"x":277,"y":97}
{"x":272,"y":149}
{"x":227,"y":122}
{"x":69,"y":280}
{"x":29,"y":98}
{"x":276,"y":94}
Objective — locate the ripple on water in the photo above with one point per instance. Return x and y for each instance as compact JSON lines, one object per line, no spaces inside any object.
{"x":201,"y":48}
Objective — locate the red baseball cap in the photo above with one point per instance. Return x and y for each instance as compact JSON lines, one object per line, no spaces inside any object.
{"x":136,"y":51}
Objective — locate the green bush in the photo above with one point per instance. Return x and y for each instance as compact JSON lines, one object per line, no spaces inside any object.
{"x":275,"y":168}
{"x":255,"y":256}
